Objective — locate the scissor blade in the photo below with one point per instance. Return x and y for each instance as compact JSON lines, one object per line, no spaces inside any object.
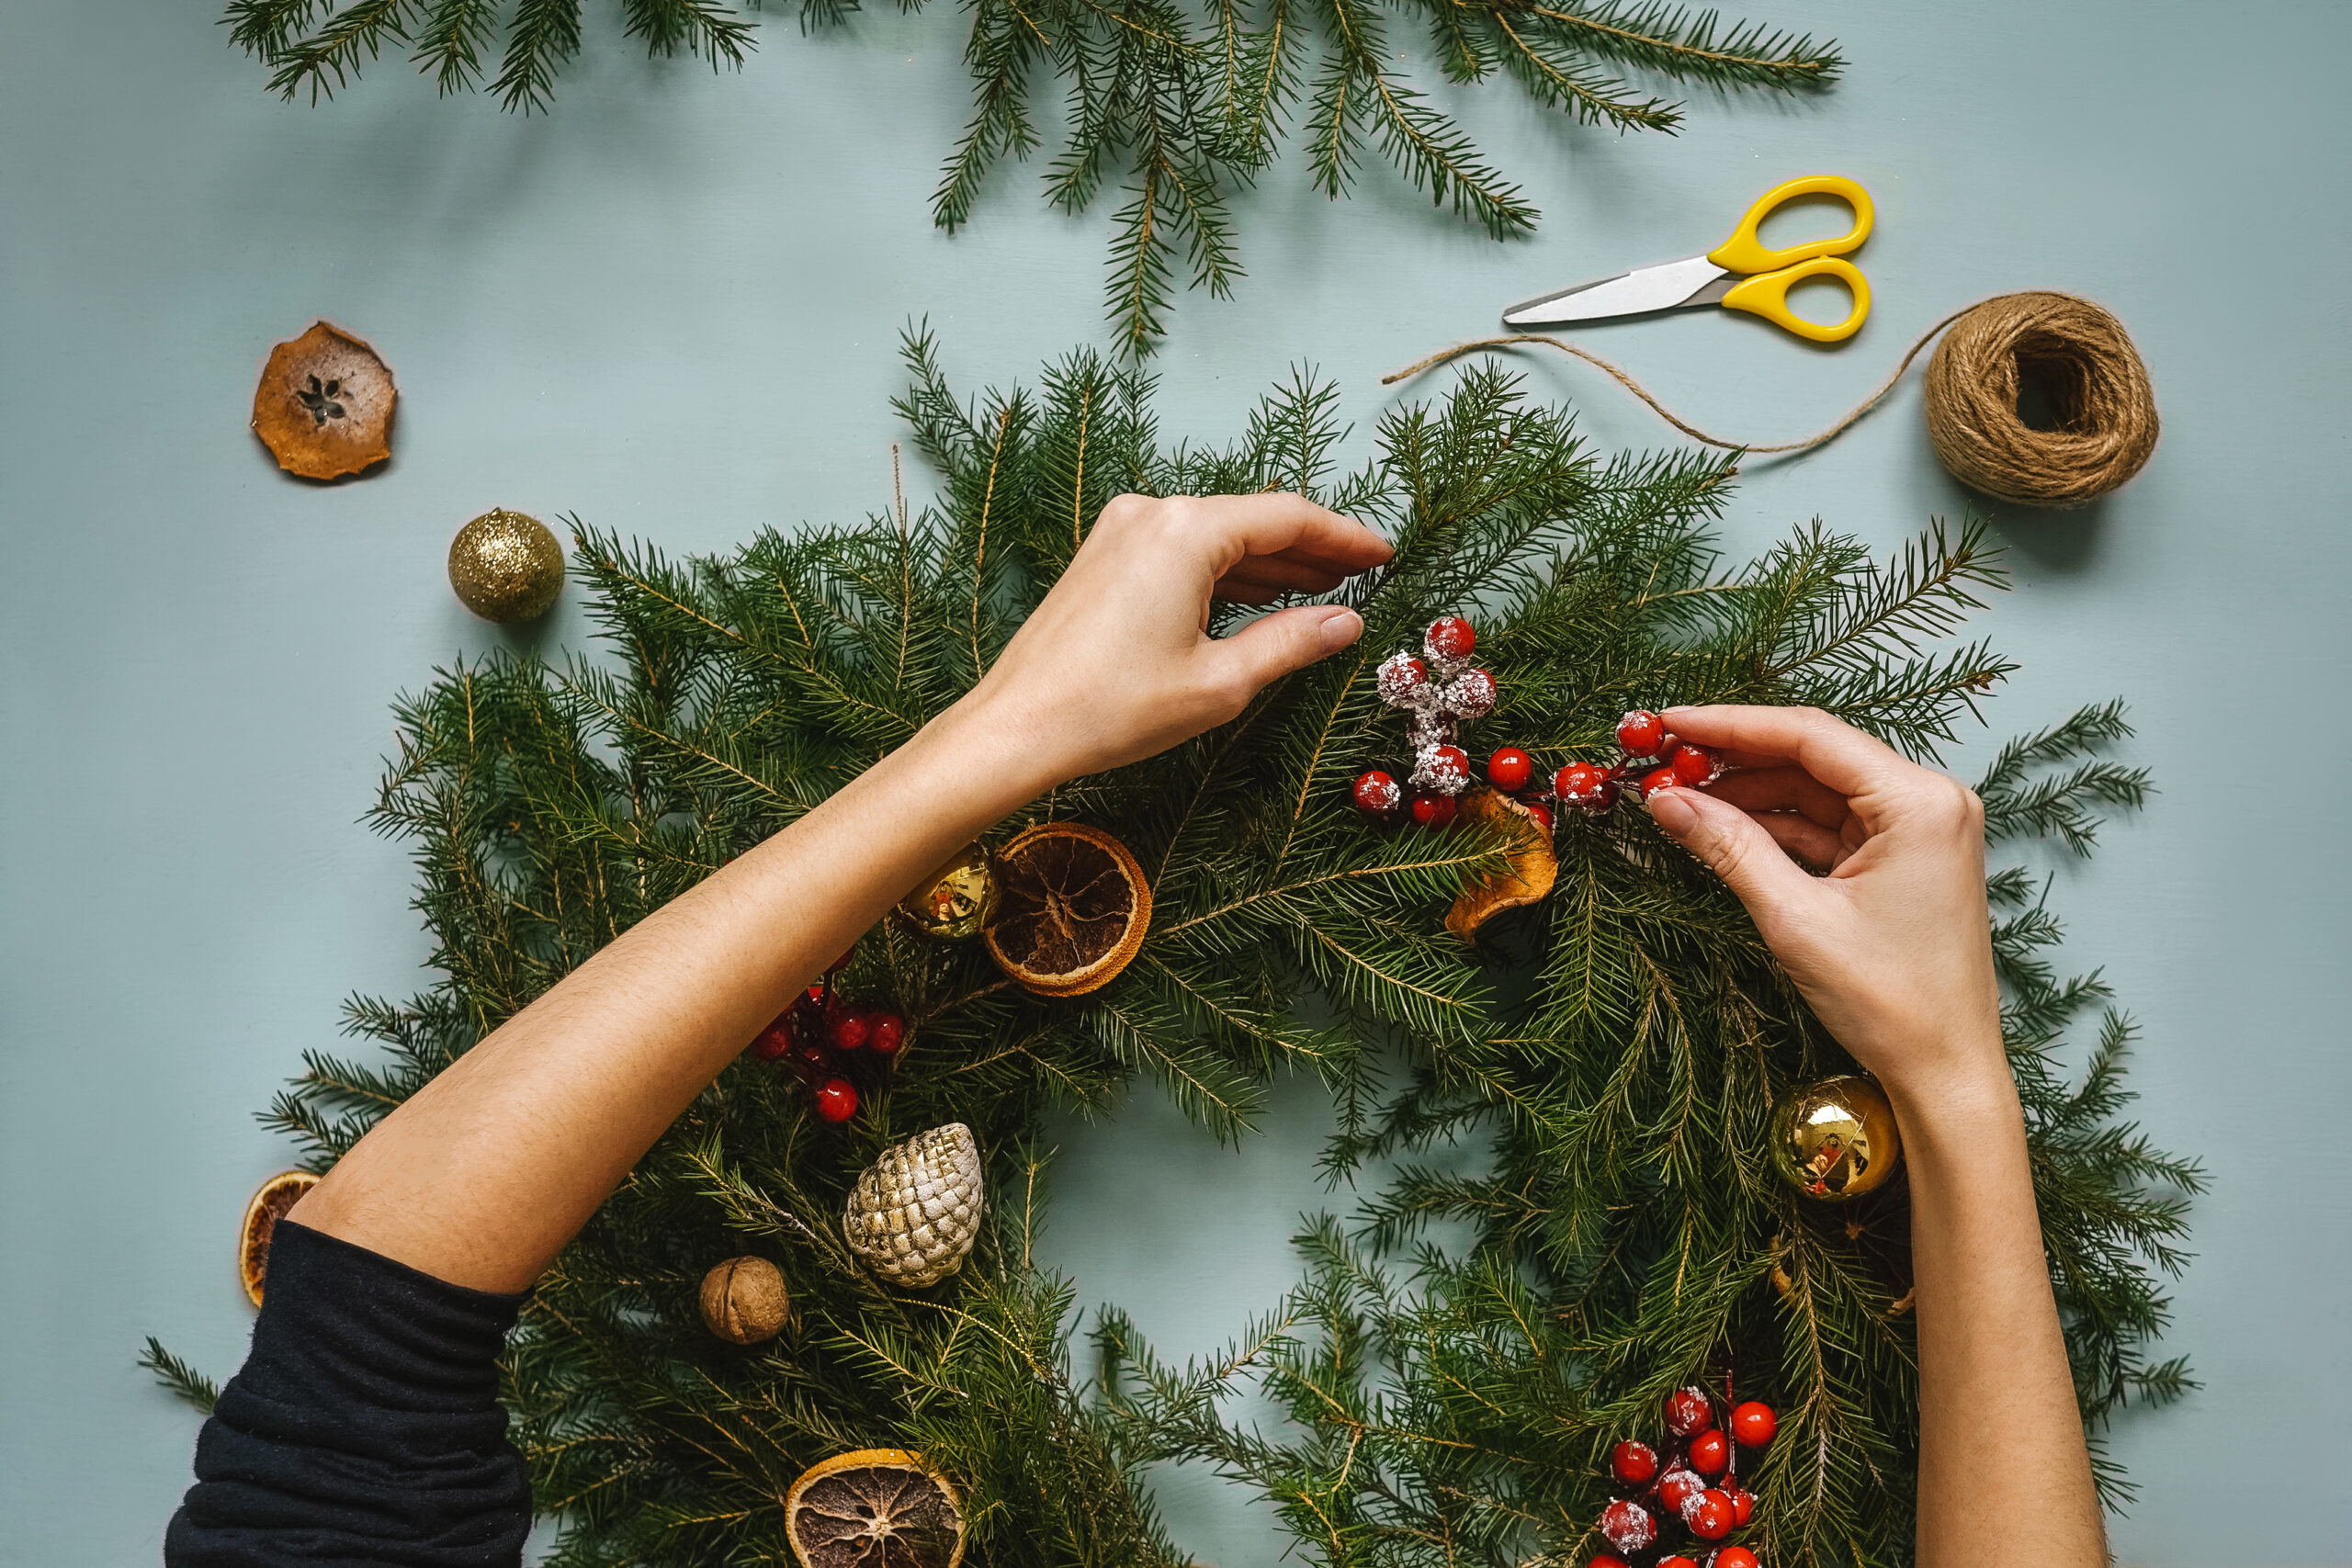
{"x":1634,"y":293}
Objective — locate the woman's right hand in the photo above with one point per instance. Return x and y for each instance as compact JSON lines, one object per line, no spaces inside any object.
{"x":1116,"y":664}
{"x":1893,"y":945}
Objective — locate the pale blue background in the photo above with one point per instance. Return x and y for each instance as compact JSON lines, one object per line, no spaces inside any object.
{"x":671,"y":307}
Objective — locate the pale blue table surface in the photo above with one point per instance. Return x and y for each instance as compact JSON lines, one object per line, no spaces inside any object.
{"x":672,"y":307}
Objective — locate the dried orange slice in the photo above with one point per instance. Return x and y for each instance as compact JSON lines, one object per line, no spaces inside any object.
{"x":1527,"y":877}
{"x":875,"y":1508}
{"x":1072,"y":909}
{"x":262,"y":1211}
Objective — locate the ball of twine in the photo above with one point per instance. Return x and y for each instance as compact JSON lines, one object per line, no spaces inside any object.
{"x":2101,"y":410}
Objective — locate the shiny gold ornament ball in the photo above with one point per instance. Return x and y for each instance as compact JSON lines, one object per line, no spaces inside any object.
{"x":744,"y":1301}
{"x":1836,"y":1139}
{"x":506,"y":567}
{"x":957,"y":902}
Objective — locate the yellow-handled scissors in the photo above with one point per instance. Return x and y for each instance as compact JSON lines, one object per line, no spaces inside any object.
{"x":1741,"y":274}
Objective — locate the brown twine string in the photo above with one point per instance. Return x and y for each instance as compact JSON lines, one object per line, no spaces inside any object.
{"x":2101,"y":405}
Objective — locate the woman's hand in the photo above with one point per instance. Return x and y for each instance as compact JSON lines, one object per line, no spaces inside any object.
{"x":1117,"y":663}
{"x":1893,"y":946}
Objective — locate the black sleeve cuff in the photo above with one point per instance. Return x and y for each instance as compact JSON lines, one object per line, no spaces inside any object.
{"x":364,"y":1428}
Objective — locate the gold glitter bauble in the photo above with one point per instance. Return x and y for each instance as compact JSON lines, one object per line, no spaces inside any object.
{"x":744,"y":1301}
{"x":917,"y":1208}
{"x":957,"y":902}
{"x":506,"y":567}
{"x":1836,"y":1139}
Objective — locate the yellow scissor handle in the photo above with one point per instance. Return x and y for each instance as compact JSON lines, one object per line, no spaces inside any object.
{"x":1745,"y":254}
{"x":1767,"y":295}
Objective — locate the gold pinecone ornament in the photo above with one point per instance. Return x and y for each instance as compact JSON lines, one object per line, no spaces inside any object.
{"x":917,"y":1209}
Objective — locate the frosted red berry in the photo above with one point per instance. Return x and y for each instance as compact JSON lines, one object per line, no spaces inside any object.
{"x":1376,"y":794}
{"x":836,"y":1100}
{"x":1708,"y":1516}
{"x":1754,"y":1423}
{"x":1449,"y":636}
{"x":1641,"y":733}
{"x":776,"y":1040}
{"x":1634,"y":1464}
{"x":1743,"y":1505}
{"x":1542,"y":813}
{"x":1732,"y":1556}
{"x":885,"y":1032}
{"x":1400,"y":678}
{"x":1447,"y":766}
{"x":1676,"y":1562}
{"x":1710,"y":1453}
{"x":1584,"y":786}
{"x":1628,"y":1526}
{"x":1470,"y":694}
{"x":1687,"y":1411}
{"x":1432,"y":810}
{"x":1656,"y":780}
{"x":1695,"y":764}
{"x":1679,"y":1488}
{"x":1510,"y":769}
{"x":847,"y":1031}
{"x":1602,"y":1560}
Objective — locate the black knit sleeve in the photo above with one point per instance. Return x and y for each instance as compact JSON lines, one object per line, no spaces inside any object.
{"x":364,"y":1428}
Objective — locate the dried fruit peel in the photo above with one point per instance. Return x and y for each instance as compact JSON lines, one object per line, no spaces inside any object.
{"x":323,"y":406}
{"x":1527,"y":877}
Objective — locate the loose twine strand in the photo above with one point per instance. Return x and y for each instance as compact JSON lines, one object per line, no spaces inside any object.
{"x":2102,"y":406}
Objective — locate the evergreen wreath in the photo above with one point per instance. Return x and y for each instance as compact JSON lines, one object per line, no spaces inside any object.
{"x":1618,"y":1056}
{"x":1180,"y":109}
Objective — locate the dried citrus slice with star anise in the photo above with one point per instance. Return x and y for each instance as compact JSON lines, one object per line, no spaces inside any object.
{"x":875,"y":1508}
{"x":262,"y":1211}
{"x":1072,"y":911}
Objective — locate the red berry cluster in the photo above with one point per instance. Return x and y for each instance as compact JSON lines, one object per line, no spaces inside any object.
{"x":822,"y":1040}
{"x":1653,"y":760}
{"x":1693,"y":1492}
{"x":1439,"y":688}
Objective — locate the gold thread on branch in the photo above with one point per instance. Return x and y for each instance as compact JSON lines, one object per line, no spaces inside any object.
{"x":2101,"y":426}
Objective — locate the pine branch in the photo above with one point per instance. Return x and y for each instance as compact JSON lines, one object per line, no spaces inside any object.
{"x":176,"y":1375}
{"x":450,"y":42}
{"x":1178,"y":114}
{"x":692,"y":27}
{"x":542,"y":36}
{"x":1658,"y":36}
{"x":326,"y":60}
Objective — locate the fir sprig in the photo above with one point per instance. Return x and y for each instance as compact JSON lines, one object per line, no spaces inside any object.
{"x":1610,"y":1056}
{"x":1176,"y":108}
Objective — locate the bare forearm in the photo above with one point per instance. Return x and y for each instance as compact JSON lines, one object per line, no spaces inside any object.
{"x":482,"y":1176}
{"x":2004,"y":1474}
{"x":1889,"y":942}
